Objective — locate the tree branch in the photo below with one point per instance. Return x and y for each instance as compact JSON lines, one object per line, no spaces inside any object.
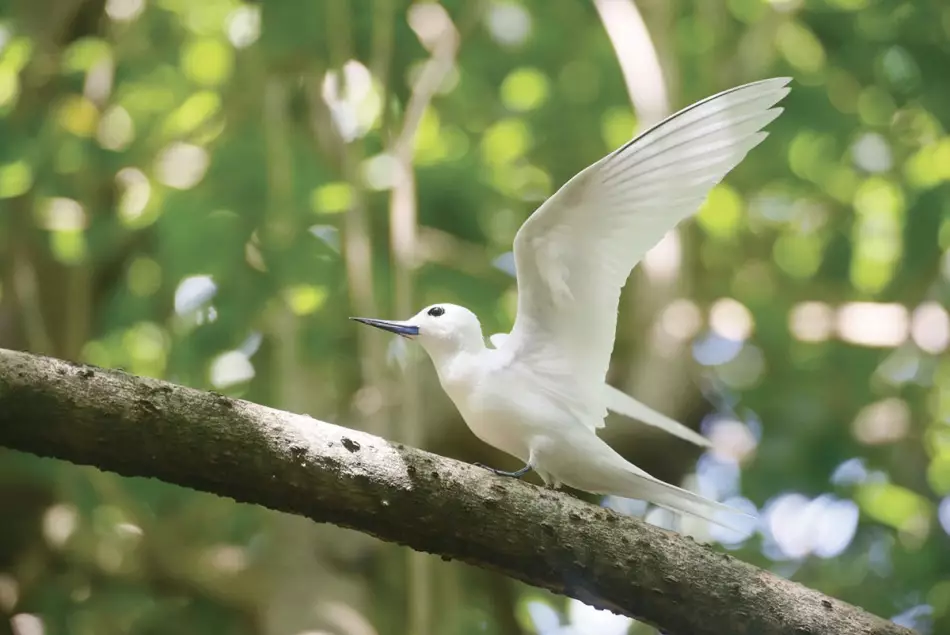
{"x":292,"y":463}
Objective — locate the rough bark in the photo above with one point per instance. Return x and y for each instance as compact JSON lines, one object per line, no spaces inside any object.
{"x":293,"y":463}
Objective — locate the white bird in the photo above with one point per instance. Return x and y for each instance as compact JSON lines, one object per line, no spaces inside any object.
{"x":539,"y":394}
{"x":623,"y":404}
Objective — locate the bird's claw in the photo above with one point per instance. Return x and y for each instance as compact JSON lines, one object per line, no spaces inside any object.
{"x":515,"y":474}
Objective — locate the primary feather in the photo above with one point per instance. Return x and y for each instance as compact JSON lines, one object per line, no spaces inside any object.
{"x":575,"y":253}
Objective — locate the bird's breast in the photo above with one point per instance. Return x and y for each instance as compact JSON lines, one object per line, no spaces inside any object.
{"x":501,"y":410}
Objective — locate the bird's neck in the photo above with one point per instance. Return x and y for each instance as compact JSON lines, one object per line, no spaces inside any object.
{"x":459,"y":370}
{"x":453,"y":354}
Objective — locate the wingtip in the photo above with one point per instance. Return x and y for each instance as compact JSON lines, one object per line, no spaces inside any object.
{"x":778,"y":85}
{"x":776,"y":89}
{"x":697,"y":439}
{"x":779,"y":81}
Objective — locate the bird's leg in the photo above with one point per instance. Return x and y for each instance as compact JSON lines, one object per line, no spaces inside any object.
{"x":515,"y":474}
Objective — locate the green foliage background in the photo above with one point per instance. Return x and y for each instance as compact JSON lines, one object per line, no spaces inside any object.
{"x":176,"y":200}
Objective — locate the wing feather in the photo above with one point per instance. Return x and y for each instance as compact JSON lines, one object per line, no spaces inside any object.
{"x":575,"y":253}
{"x":623,"y":404}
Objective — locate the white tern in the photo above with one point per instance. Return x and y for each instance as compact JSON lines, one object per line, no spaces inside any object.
{"x":540,"y":394}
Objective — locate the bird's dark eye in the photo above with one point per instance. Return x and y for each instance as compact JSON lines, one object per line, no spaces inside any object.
{"x":436,"y":311}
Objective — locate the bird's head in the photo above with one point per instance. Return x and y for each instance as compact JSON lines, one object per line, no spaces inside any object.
{"x":440,"y":328}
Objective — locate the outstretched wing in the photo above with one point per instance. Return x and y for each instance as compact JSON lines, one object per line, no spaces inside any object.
{"x":575,"y":253}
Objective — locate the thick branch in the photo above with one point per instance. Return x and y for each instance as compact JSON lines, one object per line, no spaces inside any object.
{"x":292,"y":463}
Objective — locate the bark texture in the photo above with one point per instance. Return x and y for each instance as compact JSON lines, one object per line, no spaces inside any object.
{"x":142,"y":427}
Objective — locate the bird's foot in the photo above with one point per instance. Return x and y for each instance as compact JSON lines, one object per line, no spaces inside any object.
{"x":515,"y":474}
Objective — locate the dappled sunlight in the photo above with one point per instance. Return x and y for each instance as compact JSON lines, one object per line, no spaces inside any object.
{"x":226,"y":559}
{"x":354,"y":100}
{"x":733,"y":441}
{"x":509,"y":23}
{"x":544,"y":617}
{"x":714,"y":350}
{"x":116,"y":129}
{"x":136,"y":193}
{"x":369,"y":400}
{"x":812,"y":321}
{"x":795,"y":526}
{"x":744,"y":371}
{"x":662,"y":262}
{"x":884,"y":421}
{"x":897,"y":507}
{"x":871,"y":324}
{"x":718,"y":475}
{"x":382,"y":172}
{"x":723,"y":212}
{"x":231,"y":368}
{"x":182,"y":165}
{"x":730,"y":319}
{"x":16,"y":178}
{"x":194,"y":292}
{"x":437,"y":142}
{"x":244,"y":26}
{"x":27,"y":624}
{"x":61,"y":214}
{"x":585,"y":620}
{"x":9,"y":592}
{"x":59,"y":523}
{"x":681,"y":320}
{"x":124,"y":10}
{"x":525,"y":89}
{"x":504,"y":141}
{"x":852,"y":472}
{"x":872,"y":153}
{"x":305,"y":299}
{"x":879,"y":205}
{"x":930,"y":328}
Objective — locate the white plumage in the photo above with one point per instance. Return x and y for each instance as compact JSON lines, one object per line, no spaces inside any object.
{"x":540,"y":394}
{"x":623,"y":404}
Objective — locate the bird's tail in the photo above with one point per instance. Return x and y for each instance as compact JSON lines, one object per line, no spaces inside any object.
{"x":641,"y":485}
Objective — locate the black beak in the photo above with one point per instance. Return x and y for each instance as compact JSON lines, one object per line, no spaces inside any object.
{"x":399,"y":328}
